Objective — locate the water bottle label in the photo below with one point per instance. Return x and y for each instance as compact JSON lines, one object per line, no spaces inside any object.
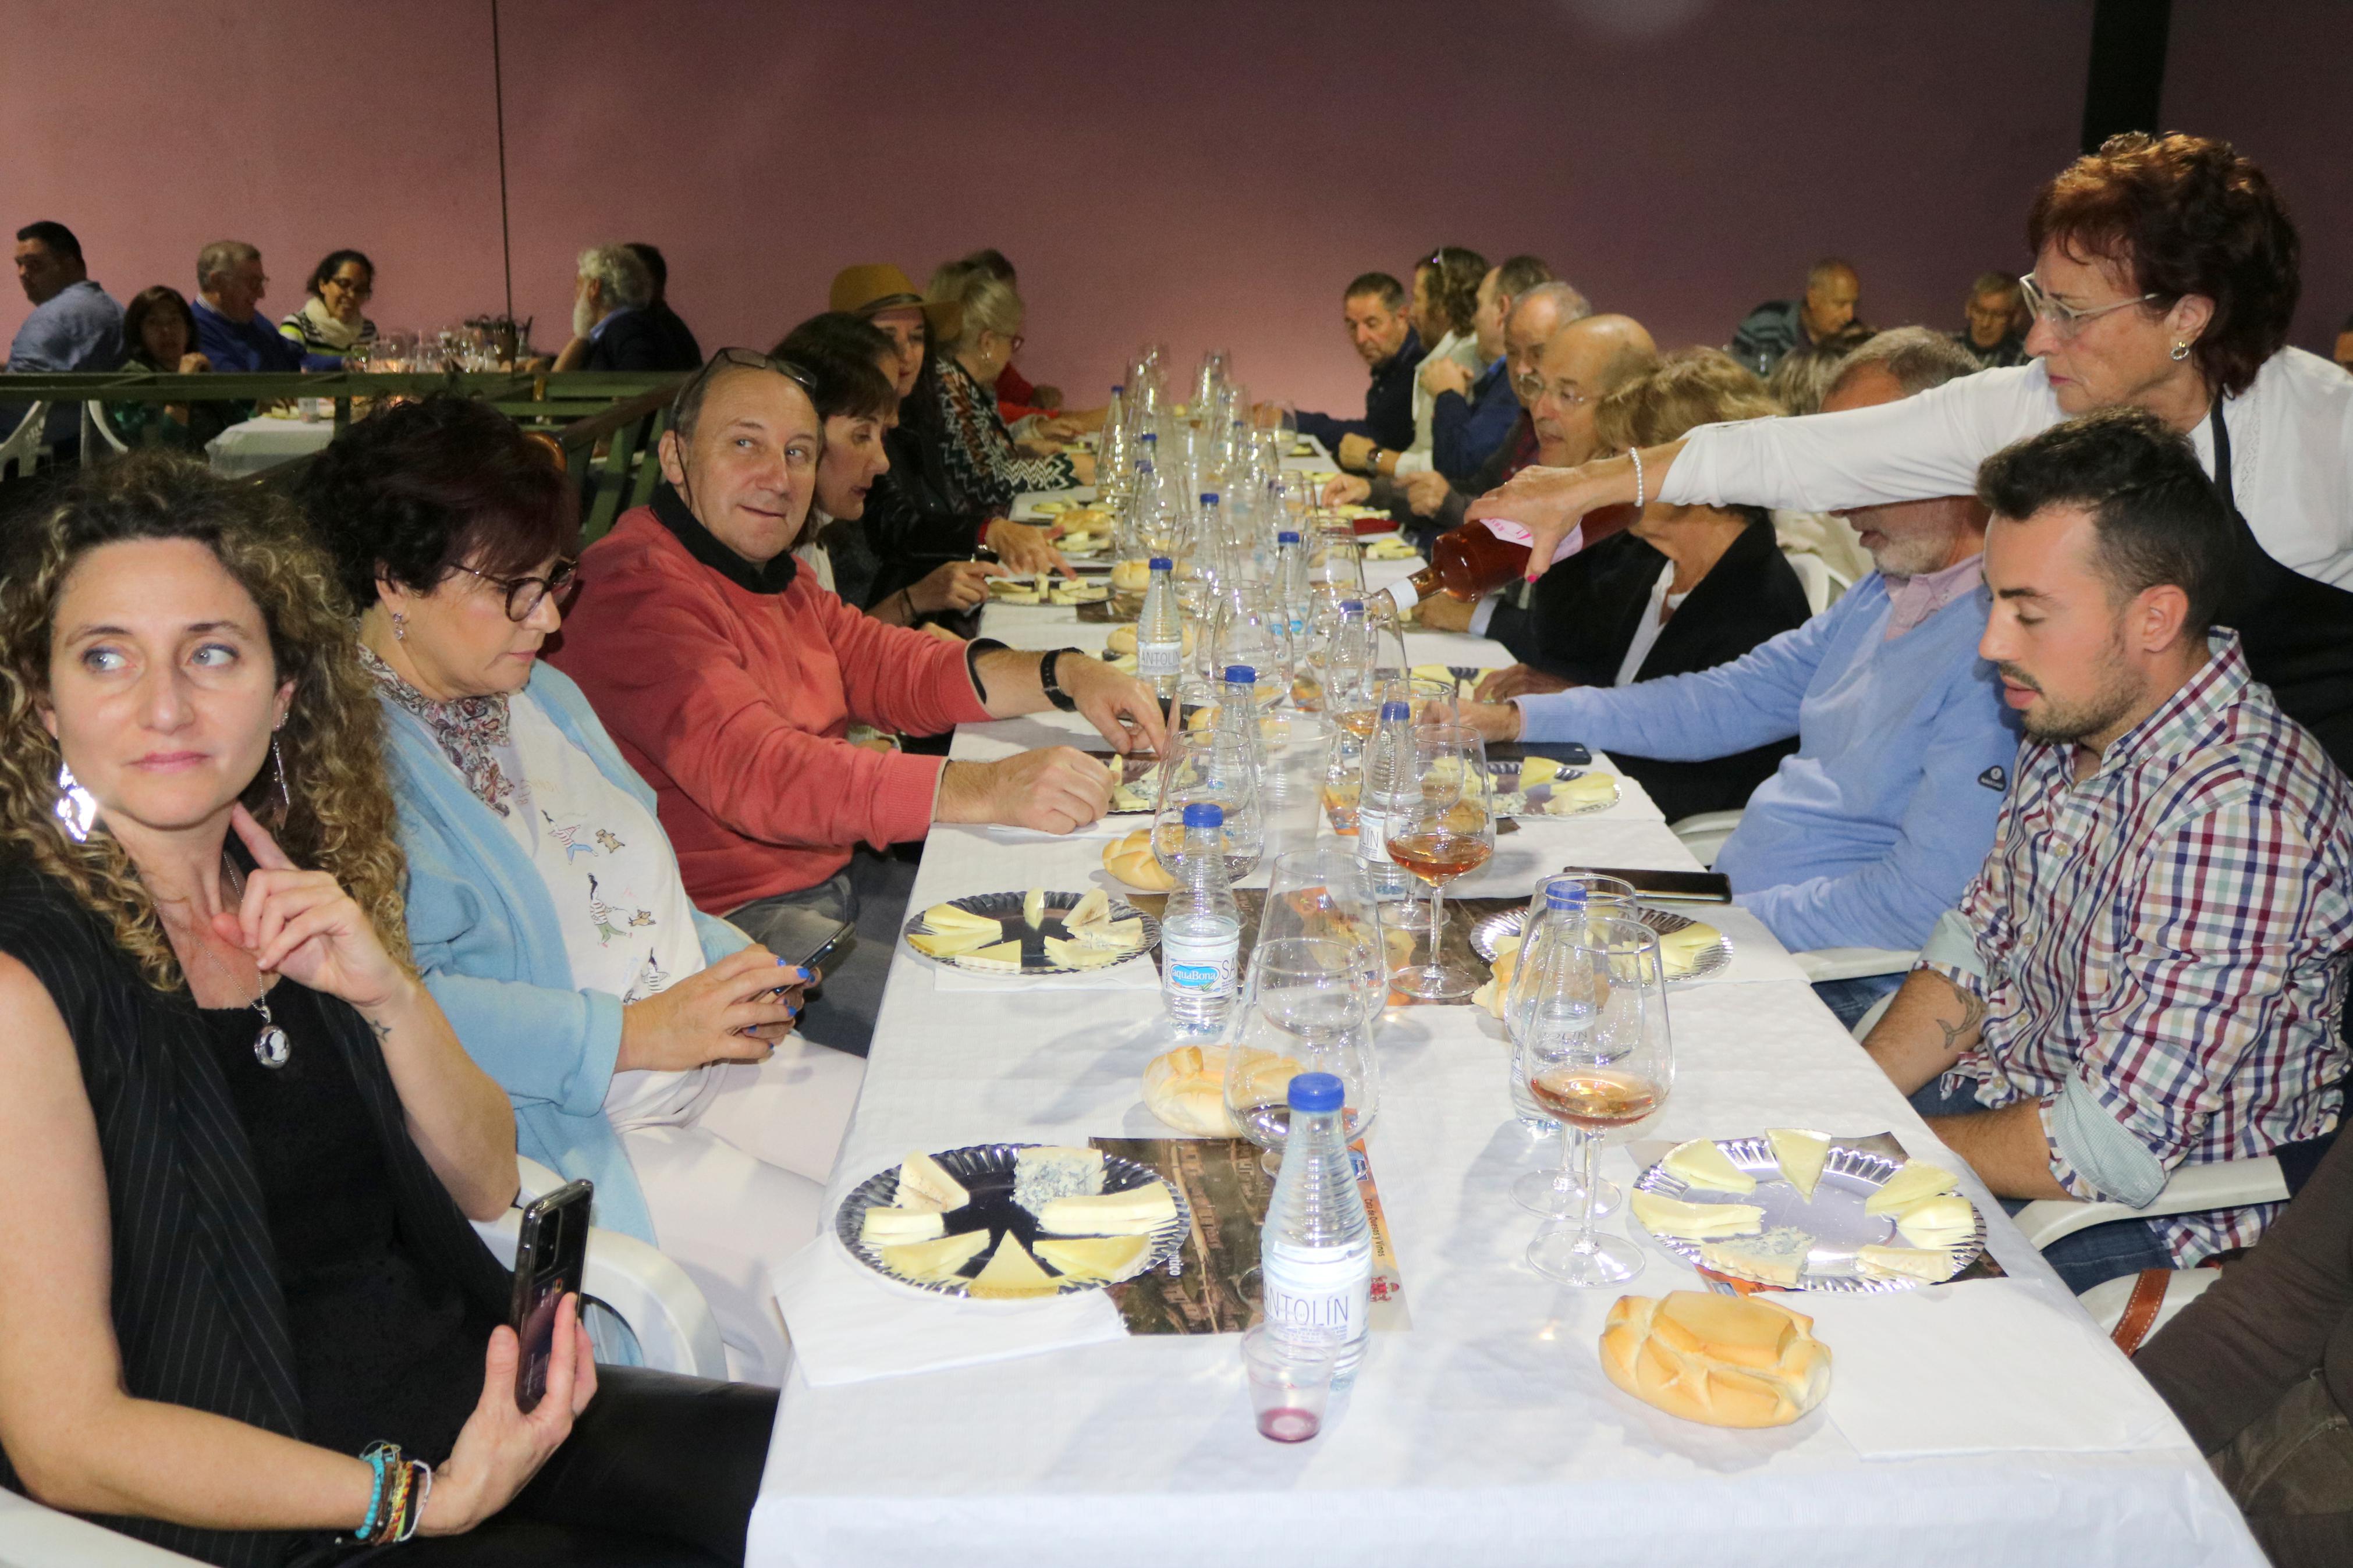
{"x":1372,"y":837}
{"x":1206,"y":967}
{"x":1318,"y":1292}
{"x":1159,"y":659}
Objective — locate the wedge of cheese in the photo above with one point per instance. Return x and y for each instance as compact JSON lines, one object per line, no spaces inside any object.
{"x":1095,"y":907}
{"x":1120,"y":936}
{"x":1046,"y":1172}
{"x":1134,"y":1213}
{"x":891,"y":1226}
{"x":1572,"y":795}
{"x":948,"y":917}
{"x":931,"y":1260}
{"x":1033,"y":908}
{"x":953,"y":943}
{"x":1927,"y":1263}
{"x":1005,"y":956}
{"x":921,"y":1177}
{"x":1703,"y":1164}
{"x":1776,"y":1257}
{"x":1696,"y":1222}
{"x":1680,"y":951}
{"x":1535,"y":770}
{"x":1011,"y":1274}
{"x":1081,"y":955}
{"x":1094,"y":1257}
{"x":1913,"y":1179}
{"x":1947,"y":1219}
{"x":1801,"y":1156}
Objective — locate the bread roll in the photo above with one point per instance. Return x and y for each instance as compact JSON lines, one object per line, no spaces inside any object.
{"x":1123,"y":639}
{"x":1131,"y":576}
{"x":1722,"y":1361}
{"x":1186,"y":1087}
{"x":1130,"y":859}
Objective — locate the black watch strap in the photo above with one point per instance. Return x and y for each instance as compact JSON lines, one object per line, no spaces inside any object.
{"x":1054,"y":692}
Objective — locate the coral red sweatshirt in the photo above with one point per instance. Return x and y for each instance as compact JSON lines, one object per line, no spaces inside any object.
{"x":734,"y":701}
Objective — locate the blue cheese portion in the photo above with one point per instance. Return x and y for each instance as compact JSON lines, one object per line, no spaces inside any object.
{"x":1042,"y":1174}
{"x":1776,"y":1257}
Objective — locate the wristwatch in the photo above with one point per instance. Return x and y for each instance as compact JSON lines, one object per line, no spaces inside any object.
{"x":1054,"y":692}
{"x":1373,"y":462}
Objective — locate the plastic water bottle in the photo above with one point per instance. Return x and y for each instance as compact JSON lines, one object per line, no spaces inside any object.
{"x":1390,"y":784}
{"x":1315,"y":1250}
{"x":1290,"y":582}
{"x":1201,"y":930}
{"x":1160,"y":632}
{"x":1237,"y":726}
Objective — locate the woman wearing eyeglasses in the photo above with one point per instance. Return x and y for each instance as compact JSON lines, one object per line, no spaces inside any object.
{"x":643,"y":1044}
{"x":331,"y":323}
{"x":2166,"y":275}
{"x":982,"y":459}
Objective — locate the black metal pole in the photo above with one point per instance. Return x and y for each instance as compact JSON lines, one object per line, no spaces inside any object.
{"x":2126,"y":83}
{"x":498,"y":97}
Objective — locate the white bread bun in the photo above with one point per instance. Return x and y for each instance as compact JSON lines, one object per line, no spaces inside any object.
{"x":1122,"y":639}
{"x":1131,"y":861}
{"x":1722,"y":1361}
{"x":1186,"y":1087}
{"x":1131,"y":576}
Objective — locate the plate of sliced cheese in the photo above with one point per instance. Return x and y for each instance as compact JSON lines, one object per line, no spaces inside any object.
{"x":1688,"y":949}
{"x":1796,"y":1210}
{"x":1036,"y":932}
{"x":1011,"y":1222}
{"x":1539,"y":786}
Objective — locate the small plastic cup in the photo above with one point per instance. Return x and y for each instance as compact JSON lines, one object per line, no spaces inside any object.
{"x":1290,"y":1383}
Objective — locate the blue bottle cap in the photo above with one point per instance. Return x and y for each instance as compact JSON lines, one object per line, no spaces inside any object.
{"x":1395,"y":711}
{"x":1240,"y":675}
{"x":1570,"y":898}
{"x":1153,"y":437}
{"x":1286,"y":537}
{"x":1352,"y":606}
{"x":1315,"y":1091}
{"x":1117,"y":388}
{"x":1208,"y":497}
{"x":1160,"y":563}
{"x":1205,"y":814}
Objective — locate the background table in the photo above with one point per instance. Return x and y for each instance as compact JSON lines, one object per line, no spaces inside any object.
{"x":264,"y":443}
{"x":1487,"y":1432}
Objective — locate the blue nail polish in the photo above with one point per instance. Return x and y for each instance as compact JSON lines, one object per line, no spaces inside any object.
{"x":806,"y":976}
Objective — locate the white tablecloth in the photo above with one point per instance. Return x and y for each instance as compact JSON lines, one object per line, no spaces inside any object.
{"x":1487,"y":1434}
{"x":264,"y":443}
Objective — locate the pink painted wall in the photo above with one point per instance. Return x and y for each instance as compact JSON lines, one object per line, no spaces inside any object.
{"x":1209,"y":174}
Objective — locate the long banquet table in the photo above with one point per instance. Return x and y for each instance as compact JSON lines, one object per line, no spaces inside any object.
{"x":1487,"y":1434}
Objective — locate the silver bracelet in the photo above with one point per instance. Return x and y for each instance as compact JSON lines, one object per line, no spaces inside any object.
{"x":1636,"y":453}
{"x":424,"y":1496}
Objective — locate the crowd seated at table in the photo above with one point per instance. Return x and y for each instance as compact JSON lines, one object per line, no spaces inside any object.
{"x":511,"y":853}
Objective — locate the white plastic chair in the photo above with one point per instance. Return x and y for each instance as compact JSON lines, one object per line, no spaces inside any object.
{"x":34,"y":1536}
{"x":26,"y":445}
{"x":96,"y":428}
{"x":656,"y":1304}
{"x":2110,"y":1299}
{"x":1703,"y":833}
{"x":1814,"y":574}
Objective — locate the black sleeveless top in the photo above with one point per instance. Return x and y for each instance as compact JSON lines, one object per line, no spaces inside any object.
{"x":206,"y":1311}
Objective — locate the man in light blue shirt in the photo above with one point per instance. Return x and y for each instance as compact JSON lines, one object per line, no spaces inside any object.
{"x":75,"y":325}
{"x":1871,"y":830}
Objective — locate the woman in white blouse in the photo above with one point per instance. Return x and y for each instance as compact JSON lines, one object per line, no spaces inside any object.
{"x":646,"y":1045}
{"x":2166,"y":275}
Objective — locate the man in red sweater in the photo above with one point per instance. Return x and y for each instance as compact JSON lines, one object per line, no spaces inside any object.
{"x":730,"y":680}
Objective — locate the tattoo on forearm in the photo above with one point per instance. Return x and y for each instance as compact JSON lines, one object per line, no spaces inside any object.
{"x":382,"y":1030}
{"x":1972,"y":1012}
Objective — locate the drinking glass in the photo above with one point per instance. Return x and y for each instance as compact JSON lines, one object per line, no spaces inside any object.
{"x":1448,"y":830}
{"x":1290,"y":1382}
{"x":1335,"y":565}
{"x":1251,"y":630}
{"x":1309,"y":1007}
{"x":1588,"y":1018}
{"x":1324,"y":894}
{"x":1549,"y":1189}
{"x":1196,"y":770}
{"x":1343,"y":780}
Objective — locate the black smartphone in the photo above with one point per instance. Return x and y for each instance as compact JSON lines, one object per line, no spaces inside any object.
{"x":550,"y":1261}
{"x":1565,"y":751}
{"x":821,"y":956}
{"x":1685,"y":887}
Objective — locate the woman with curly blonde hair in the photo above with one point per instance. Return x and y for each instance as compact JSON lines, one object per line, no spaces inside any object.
{"x":240,"y":1142}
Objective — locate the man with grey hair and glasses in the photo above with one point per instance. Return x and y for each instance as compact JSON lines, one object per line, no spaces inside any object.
{"x":230,"y":331}
{"x":612,"y":326}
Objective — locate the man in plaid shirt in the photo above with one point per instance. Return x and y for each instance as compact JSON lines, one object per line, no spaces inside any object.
{"x":2150,"y":967}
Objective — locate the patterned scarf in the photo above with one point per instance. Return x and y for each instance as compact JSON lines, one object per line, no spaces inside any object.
{"x":466,"y":729}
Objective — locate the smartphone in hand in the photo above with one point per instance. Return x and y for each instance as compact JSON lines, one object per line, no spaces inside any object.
{"x":550,"y":1262}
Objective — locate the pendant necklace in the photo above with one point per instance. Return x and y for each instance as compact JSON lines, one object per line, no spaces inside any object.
{"x":271,"y":1047}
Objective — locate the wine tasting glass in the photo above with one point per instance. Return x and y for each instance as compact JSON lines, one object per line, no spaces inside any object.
{"x":1550,"y":1189}
{"x":1343,"y":780}
{"x":1323,"y":894}
{"x":1196,"y":770}
{"x":1588,"y":1019}
{"x":1449,"y":829}
{"x":1309,"y":1007}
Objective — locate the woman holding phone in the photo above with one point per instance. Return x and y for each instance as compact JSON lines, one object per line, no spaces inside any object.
{"x":647,"y":1046}
{"x":246,"y":1319}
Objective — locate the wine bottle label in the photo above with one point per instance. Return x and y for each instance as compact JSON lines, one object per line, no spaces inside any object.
{"x":1159,"y":659}
{"x":1323,"y":1292}
{"x":1511,"y":532}
{"x":1207,"y":967}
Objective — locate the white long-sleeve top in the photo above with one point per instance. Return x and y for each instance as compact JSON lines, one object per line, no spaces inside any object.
{"x":2290,"y":454}
{"x":1463,"y":348}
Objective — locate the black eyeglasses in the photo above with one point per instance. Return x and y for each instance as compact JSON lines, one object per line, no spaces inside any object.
{"x":746,"y":359}
{"x":525,"y":595}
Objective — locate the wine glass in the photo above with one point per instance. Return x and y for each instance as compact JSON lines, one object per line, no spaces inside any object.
{"x":1550,"y":1189}
{"x":1309,"y":1008}
{"x":1448,"y":828}
{"x":1197,"y":769}
{"x":1588,"y":1018}
{"x":1343,"y":780}
{"x":1324,"y":894}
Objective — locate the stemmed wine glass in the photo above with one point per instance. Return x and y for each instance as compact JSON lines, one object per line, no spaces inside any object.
{"x":1551,"y":1190}
{"x":1197,"y":769}
{"x":1588,"y":1018}
{"x":1448,"y":830}
{"x":1309,"y":1008}
{"x":1324,"y":894}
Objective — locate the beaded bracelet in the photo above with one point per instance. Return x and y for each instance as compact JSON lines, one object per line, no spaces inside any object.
{"x":420,"y":1493}
{"x":1636,"y":453}
{"x":374,"y":1457}
{"x":386,"y":1460}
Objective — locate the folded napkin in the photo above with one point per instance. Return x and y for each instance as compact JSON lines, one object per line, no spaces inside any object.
{"x":848,"y":1326}
{"x":1989,"y":1365}
{"x":1135,"y":975}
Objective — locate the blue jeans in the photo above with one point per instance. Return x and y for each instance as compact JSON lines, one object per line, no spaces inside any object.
{"x":2088,"y":1257}
{"x":1851,"y":999}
